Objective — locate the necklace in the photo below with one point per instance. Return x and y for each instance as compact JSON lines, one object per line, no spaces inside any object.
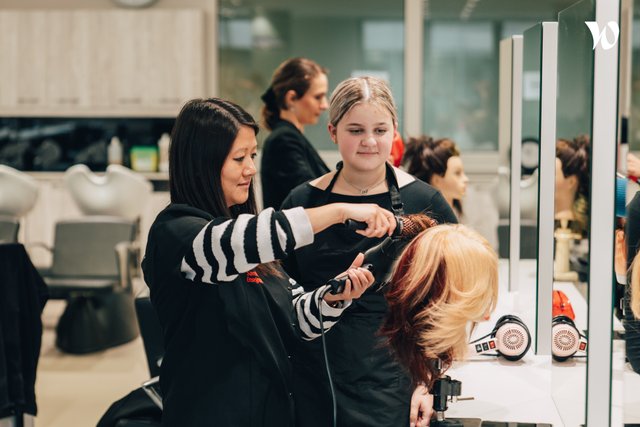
{"x":364,"y":191}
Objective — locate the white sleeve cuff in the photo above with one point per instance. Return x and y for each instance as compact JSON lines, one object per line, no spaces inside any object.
{"x":300,"y":225}
{"x":333,"y":311}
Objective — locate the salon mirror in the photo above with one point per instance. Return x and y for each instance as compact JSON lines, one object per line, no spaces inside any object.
{"x":571,"y":201}
{"x":583,"y":213}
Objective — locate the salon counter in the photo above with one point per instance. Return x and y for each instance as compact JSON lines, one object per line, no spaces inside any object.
{"x":535,"y":389}
{"x":502,"y":390}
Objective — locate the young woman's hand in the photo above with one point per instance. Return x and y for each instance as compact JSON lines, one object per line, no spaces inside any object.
{"x":380,"y":222}
{"x":421,"y":407}
{"x":358,"y":282}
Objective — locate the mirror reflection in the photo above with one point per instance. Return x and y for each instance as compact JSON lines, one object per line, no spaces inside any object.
{"x":627,"y":243}
{"x":571,"y":210}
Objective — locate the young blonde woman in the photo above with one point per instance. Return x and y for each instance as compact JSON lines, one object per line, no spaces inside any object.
{"x":295,"y":99}
{"x":371,"y":387}
{"x":445,"y":278}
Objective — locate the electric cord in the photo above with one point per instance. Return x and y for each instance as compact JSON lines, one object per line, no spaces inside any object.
{"x":326,"y":359}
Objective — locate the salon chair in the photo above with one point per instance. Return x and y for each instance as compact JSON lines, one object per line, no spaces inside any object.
{"x":143,"y":406}
{"x":528,"y":214}
{"x":18,"y":194}
{"x":9,"y":229}
{"x":95,"y":259}
{"x":151,"y":332}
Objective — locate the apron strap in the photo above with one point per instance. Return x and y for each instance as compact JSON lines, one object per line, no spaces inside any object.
{"x":392,"y":182}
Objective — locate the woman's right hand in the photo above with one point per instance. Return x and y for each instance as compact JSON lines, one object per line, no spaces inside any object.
{"x":380,"y":222}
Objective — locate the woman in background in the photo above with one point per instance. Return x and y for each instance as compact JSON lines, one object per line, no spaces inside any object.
{"x":296,"y":98}
{"x":372,"y":389}
{"x":437,"y":162}
{"x":445,"y":278}
{"x":230,"y":315}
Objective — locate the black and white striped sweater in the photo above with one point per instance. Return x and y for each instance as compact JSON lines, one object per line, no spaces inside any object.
{"x":223,"y":250}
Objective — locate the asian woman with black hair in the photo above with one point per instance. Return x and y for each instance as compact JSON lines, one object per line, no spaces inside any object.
{"x":229,"y":313}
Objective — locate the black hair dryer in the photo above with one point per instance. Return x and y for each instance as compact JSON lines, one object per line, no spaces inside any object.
{"x":379,"y":259}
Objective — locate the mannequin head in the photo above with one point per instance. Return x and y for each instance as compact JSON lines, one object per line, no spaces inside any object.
{"x":572,"y":180}
{"x":445,"y":278}
{"x":438,"y":162}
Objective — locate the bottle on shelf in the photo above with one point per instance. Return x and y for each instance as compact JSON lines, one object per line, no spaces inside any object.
{"x":114,"y":151}
{"x":163,"y":152}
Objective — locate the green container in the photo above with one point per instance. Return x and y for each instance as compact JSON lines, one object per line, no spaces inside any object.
{"x":144,"y":158}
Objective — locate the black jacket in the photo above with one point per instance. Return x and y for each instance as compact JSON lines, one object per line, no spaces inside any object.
{"x":23,"y":295}
{"x":226,"y":361}
{"x":372,"y":389}
{"x":288,"y":159}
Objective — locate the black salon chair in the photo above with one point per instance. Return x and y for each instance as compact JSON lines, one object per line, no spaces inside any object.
{"x":91,"y":269}
{"x":9,"y":227}
{"x":95,"y":258}
{"x":150,"y":331}
{"x":143,"y":406}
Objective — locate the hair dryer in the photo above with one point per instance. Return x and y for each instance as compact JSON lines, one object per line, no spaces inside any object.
{"x":380,"y":259}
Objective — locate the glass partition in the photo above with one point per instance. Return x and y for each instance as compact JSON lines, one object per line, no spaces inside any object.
{"x":571,"y":212}
{"x":530,"y":153}
{"x":538,"y":112}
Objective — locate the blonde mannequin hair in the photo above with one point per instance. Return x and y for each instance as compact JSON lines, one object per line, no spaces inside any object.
{"x":445,"y":278}
{"x":358,"y":90}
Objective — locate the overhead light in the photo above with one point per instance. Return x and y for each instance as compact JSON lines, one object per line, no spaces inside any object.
{"x":468,"y":8}
{"x":263,"y":34}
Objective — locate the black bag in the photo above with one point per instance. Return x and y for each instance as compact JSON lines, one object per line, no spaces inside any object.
{"x":135,"y":409}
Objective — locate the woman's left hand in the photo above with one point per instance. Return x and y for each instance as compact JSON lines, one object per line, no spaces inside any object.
{"x":421,"y":407}
{"x":358,"y":282}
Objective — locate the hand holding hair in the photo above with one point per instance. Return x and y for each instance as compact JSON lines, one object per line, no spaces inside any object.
{"x":379,"y":222}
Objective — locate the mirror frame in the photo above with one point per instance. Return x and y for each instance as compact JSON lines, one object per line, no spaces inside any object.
{"x":601,"y":227}
{"x":516,"y":154}
{"x":546,"y":186}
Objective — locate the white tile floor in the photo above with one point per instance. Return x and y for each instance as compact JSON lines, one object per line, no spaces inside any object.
{"x":74,"y":391}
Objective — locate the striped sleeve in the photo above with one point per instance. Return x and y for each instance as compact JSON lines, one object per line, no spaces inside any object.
{"x":223,"y":250}
{"x":307,"y":307}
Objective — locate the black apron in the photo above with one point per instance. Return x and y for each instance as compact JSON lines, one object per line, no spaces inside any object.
{"x":371,"y":388}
